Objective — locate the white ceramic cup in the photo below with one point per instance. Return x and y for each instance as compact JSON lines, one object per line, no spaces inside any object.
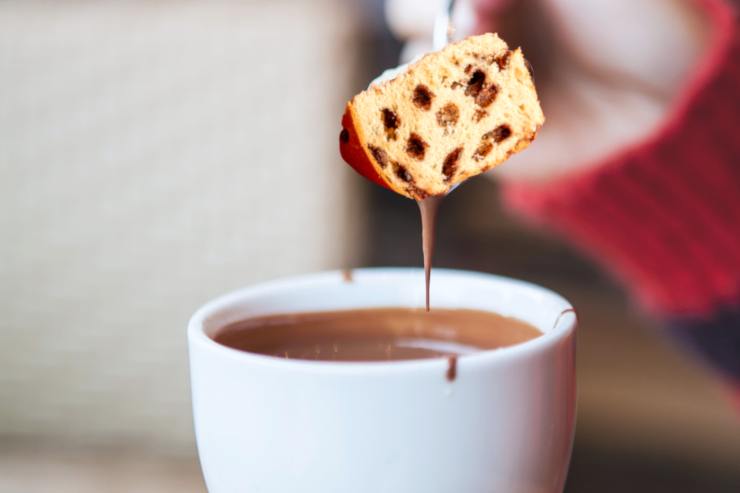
{"x":270,"y":425}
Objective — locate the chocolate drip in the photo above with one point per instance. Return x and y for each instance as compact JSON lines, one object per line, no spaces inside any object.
{"x":428,"y":207}
{"x":451,"y":368}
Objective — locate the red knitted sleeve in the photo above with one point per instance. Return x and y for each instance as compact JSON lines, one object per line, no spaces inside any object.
{"x":664,"y":215}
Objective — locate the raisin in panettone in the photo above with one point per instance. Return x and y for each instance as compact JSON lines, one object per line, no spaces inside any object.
{"x":451,"y":115}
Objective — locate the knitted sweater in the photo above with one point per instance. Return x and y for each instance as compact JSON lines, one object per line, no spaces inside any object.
{"x":664,"y":215}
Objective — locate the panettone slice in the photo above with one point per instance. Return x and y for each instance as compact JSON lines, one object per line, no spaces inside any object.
{"x":451,"y":115}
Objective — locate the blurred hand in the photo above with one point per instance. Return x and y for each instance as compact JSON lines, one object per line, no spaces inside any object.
{"x":607,"y":71}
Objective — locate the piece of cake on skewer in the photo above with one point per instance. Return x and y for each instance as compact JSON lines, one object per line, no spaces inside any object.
{"x":452,"y":114}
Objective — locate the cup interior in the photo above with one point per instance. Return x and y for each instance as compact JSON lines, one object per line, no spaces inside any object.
{"x":390,"y":287}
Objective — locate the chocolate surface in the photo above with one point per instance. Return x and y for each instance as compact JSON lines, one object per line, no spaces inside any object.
{"x":377,"y":334}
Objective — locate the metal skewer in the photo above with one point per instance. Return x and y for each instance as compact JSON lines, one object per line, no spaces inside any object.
{"x":443,"y":28}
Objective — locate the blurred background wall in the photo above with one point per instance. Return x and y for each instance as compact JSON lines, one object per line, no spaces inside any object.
{"x":154,"y":154}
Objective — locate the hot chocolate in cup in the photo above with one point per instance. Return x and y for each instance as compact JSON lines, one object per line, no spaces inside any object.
{"x":274,"y":425}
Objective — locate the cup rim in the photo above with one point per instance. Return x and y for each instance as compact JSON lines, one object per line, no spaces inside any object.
{"x":565,"y":323}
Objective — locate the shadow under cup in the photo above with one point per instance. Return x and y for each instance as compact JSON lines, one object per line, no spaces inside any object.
{"x":273,"y":425}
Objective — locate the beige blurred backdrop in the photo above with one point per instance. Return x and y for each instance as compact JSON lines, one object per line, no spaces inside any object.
{"x":154,"y":154}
